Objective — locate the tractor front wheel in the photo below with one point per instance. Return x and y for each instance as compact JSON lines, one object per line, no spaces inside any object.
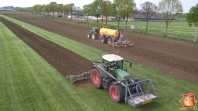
{"x":96,"y":78}
{"x":117,"y":93}
{"x":88,"y":36}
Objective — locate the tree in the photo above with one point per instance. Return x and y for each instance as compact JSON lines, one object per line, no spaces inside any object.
{"x":87,"y":10}
{"x":96,"y":8}
{"x":28,"y":9}
{"x":192,"y":18}
{"x":105,"y":9}
{"x":22,"y":9}
{"x":65,"y":10}
{"x":53,"y":7}
{"x":78,"y":10}
{"x":59,"y":9}
{"x":36,"y":8}
{"x":117,"y":9}
{"x":127,"y":7}
{"x":148,"y":9}
{"x":45,"y":9}
{"x":71,"y":8}
{"x":170,"y":9}
{"x":39,"y":8}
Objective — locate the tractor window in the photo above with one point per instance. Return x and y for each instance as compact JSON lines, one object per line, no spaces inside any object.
{"x":119,"y":64}
{"x":97,"y":30}
{"x":105,"y":62}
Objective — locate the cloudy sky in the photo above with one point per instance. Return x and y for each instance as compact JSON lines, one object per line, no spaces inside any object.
{"x":187,"y":4}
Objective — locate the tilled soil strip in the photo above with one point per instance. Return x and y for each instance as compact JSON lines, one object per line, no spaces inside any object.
{"x":63,"y":60}
{"x":175,"y":58}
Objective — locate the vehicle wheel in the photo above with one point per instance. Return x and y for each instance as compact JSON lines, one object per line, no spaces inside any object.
{"x":103,"y":40}
{"x":96,"y":78}
{"x":89,"y":36}
{"x":109,"y":40}
{"x":94,"y":36}
{"x":117,"y":93}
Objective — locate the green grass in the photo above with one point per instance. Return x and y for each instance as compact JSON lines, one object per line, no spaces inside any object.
{"x":29,"y":83}
{"x":177,"y":29}
{"x":39,"y":86}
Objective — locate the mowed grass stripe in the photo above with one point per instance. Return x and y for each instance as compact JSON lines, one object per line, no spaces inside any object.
{"x":17,"y":76}
{"x":165,"y":85}
{"x":29,"y":82}
{"x":7,"y":82}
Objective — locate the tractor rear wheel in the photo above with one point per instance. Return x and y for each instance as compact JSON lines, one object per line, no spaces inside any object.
{"x":117,"y":93}
{"x":89,"y":36}
{"x":103,"y":40}
{"x":96,"y":78}
{"x":109,"y":40}
{"x":93,"y":36}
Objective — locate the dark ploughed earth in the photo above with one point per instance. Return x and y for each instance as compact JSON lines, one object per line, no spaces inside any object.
{"x":172,"y":57}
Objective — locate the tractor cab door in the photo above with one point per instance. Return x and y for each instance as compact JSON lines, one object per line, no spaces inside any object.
{"x":105,"y":64}
{"x":97,"y":31}
{"x":109,"y":66}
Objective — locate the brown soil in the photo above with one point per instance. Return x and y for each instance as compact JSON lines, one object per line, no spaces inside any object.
{"x":172,"y":57}
{"x":65,"y":61}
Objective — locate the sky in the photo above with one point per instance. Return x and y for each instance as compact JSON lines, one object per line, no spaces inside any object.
{"x":187,"y":4}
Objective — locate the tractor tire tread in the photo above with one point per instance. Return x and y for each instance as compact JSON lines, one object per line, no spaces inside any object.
{"x":99,"y":86}
{"x":121,"y":92}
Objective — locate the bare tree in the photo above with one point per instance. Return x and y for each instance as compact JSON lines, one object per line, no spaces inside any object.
{"x":148,"y":9}
{"x":78,"y":10}
{"x":170,"y":9}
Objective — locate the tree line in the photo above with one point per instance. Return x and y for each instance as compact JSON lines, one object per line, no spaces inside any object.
{"x":167,"y":9}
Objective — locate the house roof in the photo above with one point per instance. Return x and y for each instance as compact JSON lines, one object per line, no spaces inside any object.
{"x":140,"y":16}
{"x":5,"y":9}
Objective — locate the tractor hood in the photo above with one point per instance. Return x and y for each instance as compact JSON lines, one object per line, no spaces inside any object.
{"x":120,"y":74}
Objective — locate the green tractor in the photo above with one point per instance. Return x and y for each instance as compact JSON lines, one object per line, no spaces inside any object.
{"x":94,"y":33}
{"x":110,"y":74}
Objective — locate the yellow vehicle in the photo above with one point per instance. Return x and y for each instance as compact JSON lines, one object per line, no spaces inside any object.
{"x":110,"y":36}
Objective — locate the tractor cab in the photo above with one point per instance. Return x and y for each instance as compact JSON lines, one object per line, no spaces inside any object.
{"x":123,"y":87}
{"x":112,"y":62}
{"x":95,"y":30}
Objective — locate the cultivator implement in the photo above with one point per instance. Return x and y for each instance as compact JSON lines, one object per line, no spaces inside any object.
{"x":74,"y":78}
{"x":125,"y":43}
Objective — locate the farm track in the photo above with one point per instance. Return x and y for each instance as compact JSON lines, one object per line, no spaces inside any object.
{"x":63,"y":60}
{"x":175,"y":58}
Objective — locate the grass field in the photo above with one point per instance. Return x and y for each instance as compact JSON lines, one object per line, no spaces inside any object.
{"x":178,"y":28}
{"x":29,"y":82}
